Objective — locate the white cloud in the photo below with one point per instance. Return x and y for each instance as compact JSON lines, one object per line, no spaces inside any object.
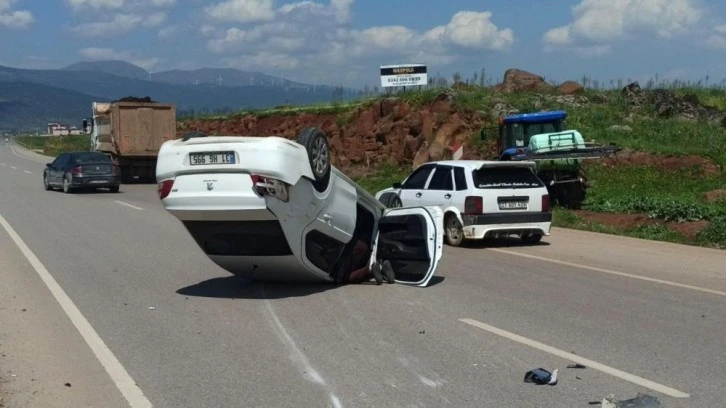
{"x":14,"y":19}
{"x":119,"y":24}
{"x":242,"y":11}
{"x":717,"y":39}
{"x":108,"y":17}
{"x":599,"y":23}
{"x":309,"y":36}
{"x":100,"y":54}
{"x":85,"y":5}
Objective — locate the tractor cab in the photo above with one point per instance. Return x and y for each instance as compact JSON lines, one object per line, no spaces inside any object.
{"x":516,"y":130}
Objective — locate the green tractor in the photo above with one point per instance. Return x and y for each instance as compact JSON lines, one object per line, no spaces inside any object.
{"x":558,"y":152}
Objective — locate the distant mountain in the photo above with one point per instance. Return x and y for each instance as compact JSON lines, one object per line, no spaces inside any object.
{"x":29,"y":106}
{"x":225,"y":76}
{"x":118,"y":68}
{"x":197,"y":90}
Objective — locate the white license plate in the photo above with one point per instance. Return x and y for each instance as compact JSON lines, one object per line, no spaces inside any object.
{"x":196,"y":159}
{"x":98,"y":181}
{"x":513,"y":205}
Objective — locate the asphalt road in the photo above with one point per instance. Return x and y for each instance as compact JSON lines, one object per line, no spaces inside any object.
{"x":166,"y":322}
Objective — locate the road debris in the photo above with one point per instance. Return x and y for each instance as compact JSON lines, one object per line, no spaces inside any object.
{"x":580,"y":366}
{"x":152,"y":308}
{"x":640,"y":401}
{"x":541,"y":376}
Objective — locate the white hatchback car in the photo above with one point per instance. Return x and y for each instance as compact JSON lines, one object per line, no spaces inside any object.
{"x":480,"y":199}
{"x":272,"y":209}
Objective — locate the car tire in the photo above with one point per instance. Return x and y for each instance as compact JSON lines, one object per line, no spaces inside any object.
{"x":66,"y":185}
{"x":531,"y":238}
{"x":454,"y":231}
{"x":46,"y":184}
{"x":316,"y":144}
{"x":114,"y":189}
{"x":391,"y":200}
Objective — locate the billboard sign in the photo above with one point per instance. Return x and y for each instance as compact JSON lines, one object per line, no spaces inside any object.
{"x":403,"y":75}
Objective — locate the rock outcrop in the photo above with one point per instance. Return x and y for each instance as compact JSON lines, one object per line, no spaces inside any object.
{"x":516,"y":80}
{"x":388,"y":131}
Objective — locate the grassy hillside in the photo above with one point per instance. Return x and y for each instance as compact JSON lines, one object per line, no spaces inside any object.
{"x":657,"y":188}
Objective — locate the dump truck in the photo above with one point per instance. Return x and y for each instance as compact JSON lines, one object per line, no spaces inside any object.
{"x":544,"y":138}
{"x":131,"y":131}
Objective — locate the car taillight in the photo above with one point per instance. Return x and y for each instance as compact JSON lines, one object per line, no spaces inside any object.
{"x":116,"y":170}
{"x":77,"y":170}
{"x":165,"y":188}
{"x":546,"y":206}
{"x":263,"y":186}
{"x":473,"y":205}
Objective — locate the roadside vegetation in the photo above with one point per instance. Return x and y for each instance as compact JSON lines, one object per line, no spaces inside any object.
{"x":55,"y":145}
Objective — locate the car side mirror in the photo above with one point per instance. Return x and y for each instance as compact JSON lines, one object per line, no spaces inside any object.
{"x":47,"y":165}
{"x":396,"y":185}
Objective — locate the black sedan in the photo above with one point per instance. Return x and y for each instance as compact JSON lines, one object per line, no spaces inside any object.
{"x":82,"y":170}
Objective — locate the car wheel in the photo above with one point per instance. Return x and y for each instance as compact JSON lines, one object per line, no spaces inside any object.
{"x":114,"y":189}
{"x":531,"y":238}
{"x":454,"y":231}
{"x":391,"y":200}
{"x":46,"y":184}
{"x":316,"y":144}
{"x":66,"y":185}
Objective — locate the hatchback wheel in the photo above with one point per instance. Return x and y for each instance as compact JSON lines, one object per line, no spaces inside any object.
{"x":531,"y":238}
{"x":454,"y":231}
{"x":46,"y":184}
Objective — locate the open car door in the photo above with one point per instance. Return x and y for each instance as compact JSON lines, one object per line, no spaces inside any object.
{"x":412,"y":240}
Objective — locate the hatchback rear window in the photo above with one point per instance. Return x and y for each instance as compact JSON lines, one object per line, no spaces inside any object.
{"x":90,"y":158}
{"x":512,"y":177}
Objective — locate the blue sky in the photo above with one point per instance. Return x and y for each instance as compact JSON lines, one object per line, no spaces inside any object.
{"x":344,"y":41}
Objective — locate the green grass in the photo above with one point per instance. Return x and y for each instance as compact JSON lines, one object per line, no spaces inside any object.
{"x":382,"y":178}
{"x":53,"y":145}
{"x":32,"y":142}
{"x":657,"y":232}
{"x":667,"y":195}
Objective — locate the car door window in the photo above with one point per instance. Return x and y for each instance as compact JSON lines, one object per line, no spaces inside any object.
{"x":418,"y":178}
{"x":460,"y":179}
{"x":441,"y":179}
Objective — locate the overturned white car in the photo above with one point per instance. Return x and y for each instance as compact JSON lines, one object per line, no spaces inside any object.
{"x":272,"y":209}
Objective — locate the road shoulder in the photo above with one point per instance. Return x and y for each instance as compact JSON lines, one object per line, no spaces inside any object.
{"x":44,"y":361}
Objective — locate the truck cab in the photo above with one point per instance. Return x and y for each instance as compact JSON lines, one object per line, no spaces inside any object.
{"x":515,"y":131}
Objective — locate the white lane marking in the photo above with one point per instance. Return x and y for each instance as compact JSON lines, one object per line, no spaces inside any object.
{"x":108,"y":360}
{"x":13,"y":167}
{"x":27,"y":172}
{"x":3,"y":164}
{"x":128,"y":205}
{"x":298,"y":356}
{"x":577,"y":359}
{"x":25,"y":157}
{"x":611,"y":272}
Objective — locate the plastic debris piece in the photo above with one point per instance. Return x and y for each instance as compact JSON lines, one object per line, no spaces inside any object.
{"x":640,"y":401}
{"x":152,"y":308}
{"x":541,"y":376}
{"x":576,"y":366}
